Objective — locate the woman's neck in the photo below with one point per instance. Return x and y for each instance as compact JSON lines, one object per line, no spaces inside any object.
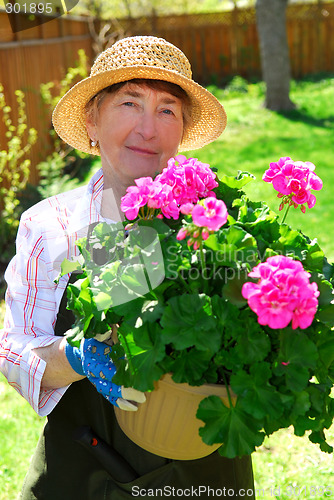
{"x":113,"y":190}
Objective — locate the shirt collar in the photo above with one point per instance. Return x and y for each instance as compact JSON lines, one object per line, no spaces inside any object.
{"x":88,"y":209}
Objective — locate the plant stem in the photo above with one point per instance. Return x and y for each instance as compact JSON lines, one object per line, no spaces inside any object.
{"x":202,"y":258}
{"x":286,"y":213}
{"x":128,"y":353}
{"x":227,"y":390}
{"x":185,"y":283}
{"x":142,"y":213}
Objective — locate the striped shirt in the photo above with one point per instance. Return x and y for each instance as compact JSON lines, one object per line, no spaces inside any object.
{"x":46,"y":235}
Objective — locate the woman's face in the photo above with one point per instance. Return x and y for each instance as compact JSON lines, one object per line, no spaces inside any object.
{"x":138,"y":130}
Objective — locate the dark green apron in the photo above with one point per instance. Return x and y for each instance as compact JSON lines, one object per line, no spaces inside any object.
{"x":62,"y":469}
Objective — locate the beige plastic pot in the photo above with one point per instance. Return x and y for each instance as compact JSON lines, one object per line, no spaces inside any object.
{"x":166,"y":424}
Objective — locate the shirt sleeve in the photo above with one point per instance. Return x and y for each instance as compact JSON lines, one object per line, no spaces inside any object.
{"x":32,"y":302}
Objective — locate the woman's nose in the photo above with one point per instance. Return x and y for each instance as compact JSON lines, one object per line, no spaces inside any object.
{"x":146,"y":125}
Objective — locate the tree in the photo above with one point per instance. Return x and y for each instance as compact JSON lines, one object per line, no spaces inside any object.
{"x":274,"y":50}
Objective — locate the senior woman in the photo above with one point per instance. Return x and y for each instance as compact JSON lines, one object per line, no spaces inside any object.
{"x":137,"y":109}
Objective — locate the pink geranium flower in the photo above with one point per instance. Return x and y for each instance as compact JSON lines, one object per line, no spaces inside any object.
{"x":210,"y":213}
{"x":152,"y":193}
{"x":168,"y":204}
{"x":136,"y":197}
{"x":283,"y":293}
{"x":294,"y":181}
{"x":190,"y":179}
{"x":183,"y":183}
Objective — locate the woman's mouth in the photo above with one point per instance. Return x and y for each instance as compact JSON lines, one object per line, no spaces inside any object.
{"x":142,"y":151}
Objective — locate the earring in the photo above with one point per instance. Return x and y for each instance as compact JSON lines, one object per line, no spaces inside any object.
{"x":93,"y":143}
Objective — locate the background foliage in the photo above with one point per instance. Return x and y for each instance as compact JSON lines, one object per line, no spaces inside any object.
{"x":14,"y":170}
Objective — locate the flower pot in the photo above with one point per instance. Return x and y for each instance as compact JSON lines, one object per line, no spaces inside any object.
{"x":166,"y":424}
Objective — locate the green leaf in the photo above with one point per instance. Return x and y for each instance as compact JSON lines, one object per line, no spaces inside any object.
{"x":326,"y":296}
{"x":133,"y":277}
{"x":151,"y":311}
{"x":318,"y":393}
{"x":144,"y":350}
{"x":238,"y":431}
{"x":109,"y":274}
{"x":229,"y":187}
{"x":291,"y":242}
{"x":68,"y":266}
{"x":237,"y":182}
{"x":304,"y":423}
{"x":325,"y":347}
{"x":145,"y":241}
{"x":187,"y":321}
{"x":232,"y":245}
{"x":326,"y":315}
{"x":320,"y":438}
{"x":177,"y":257}
{"x":298,"y":355}
{"x":80,"y":298}
{"x":314,"y":260}
{"x":102,"y":300}
{"x":74,"y":336}
{"x":302,"y":403}
{"x":131,"y":285}
{"x":158,"y":225}
{"x":256,"y":395}
{"x":224,"y":311}
{"x":190,"y":366}
{"x":254,"y":344}
{"x":130,"y":310}
{"x":257,"y":218}
{"x":87,"y":321}
{"x":232,"y":289}
{"x":265,"y":229}
{"x":328,"y":270}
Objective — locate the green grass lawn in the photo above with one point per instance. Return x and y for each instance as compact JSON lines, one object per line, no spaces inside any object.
{"x":19,"y":431}
{"x":285,"y":466}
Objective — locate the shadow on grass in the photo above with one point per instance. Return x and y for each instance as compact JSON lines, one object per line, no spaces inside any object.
{"x":298,"y":115}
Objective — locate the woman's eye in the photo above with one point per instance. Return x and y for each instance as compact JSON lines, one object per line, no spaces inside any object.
{"x":128,"y":103}
{"x":168,"y":111}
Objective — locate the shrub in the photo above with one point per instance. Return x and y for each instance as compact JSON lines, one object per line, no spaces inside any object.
{"x":59,"y":168}
{"x":14,"y":171}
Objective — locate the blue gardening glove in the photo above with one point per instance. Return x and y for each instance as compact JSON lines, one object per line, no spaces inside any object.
{"x":92,"y":360}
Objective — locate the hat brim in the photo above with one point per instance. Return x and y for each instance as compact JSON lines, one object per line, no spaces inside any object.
{"x":208,"y":117}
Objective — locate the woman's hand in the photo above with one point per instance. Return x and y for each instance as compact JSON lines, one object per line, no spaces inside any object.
{"x":92,"y":359}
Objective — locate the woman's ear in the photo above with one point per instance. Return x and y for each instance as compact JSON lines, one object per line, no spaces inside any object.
{"x":91,"y":126}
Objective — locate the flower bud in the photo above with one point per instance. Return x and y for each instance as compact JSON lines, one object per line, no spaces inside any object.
{"x":182,"y":233}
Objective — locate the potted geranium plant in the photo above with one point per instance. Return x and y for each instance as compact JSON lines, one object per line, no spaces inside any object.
{"x":210,"y":288}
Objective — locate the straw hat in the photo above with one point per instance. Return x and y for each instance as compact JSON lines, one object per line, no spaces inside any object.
{"x":139,"y":57}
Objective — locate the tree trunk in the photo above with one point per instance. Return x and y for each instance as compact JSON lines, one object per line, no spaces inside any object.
{"x":275,"y":61}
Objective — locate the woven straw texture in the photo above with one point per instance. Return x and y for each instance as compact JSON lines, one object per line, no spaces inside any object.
{"x":139,"y":57}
